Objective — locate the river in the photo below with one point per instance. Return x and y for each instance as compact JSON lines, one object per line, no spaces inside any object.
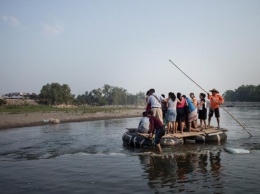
{"x":89,"y":157}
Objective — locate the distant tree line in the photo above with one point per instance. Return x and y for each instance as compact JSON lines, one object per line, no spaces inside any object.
{"x":110,"y":95}
{"x":55,"y":94}
{"x":248,"y":93}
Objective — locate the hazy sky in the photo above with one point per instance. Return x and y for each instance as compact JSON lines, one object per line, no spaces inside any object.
{"x":128,"y":43}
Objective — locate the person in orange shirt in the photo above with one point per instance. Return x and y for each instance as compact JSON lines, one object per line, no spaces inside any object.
{"x":215,"y":100}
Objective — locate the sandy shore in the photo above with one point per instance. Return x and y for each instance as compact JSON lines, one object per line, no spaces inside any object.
{"x":35,"y":119}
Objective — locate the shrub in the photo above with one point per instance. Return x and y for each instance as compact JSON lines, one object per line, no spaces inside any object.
{"x":2,"y":102}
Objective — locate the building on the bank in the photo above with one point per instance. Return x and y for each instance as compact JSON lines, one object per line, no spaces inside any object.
{"x":20,"y":95}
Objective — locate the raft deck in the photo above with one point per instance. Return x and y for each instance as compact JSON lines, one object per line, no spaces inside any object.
{"x":188,"y":134}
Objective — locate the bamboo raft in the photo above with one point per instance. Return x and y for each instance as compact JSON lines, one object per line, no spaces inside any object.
{"x":207,"y":131}
{"x":211,"y":134}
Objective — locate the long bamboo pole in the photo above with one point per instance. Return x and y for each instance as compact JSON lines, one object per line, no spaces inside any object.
{"x":213,"y":98}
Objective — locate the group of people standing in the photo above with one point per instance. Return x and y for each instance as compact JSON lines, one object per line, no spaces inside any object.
{"x":178,"y":111}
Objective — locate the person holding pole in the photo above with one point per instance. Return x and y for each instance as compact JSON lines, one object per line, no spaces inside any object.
{"x":215,"y":100}
{"x":208,"y":94}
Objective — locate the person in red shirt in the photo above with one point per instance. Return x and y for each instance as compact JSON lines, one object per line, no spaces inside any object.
{"x":215,"y":100}
{"x":181,"y":112}
{"x":157,"y":127}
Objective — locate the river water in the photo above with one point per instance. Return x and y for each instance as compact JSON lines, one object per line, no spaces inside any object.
{"x":89,"y":157}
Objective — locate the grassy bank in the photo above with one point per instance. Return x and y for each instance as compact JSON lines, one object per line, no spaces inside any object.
{"x":43,"y":108}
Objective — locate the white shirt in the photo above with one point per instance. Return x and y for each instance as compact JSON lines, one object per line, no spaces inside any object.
{"x":154,"y":102}
{"x":201,"y":106}
{"x":172,"y":104}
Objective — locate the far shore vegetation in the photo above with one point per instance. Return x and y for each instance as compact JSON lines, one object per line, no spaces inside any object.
{"x":244,"y":93}
{"x":55,"y":94}
{"x":57,"y":97}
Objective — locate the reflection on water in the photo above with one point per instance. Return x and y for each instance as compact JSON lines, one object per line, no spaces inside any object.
{"x":216,"y":172}
{"x":89,"y":157}
{"x":184,"y":172}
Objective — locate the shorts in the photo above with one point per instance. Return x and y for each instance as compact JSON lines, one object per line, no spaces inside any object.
{"x":181,"y":115}
{"x":192,"y":116}
{"x":171,"y":115}
{"x":203,"y":114}
{"x":158,"y":135}
{"x":216,"y":111}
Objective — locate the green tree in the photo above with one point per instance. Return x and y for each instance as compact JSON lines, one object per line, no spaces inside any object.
{"x":131,"y":99}
{"x":107,"y":90}
{"x":110,"y":95}
{"x":257,"y":93}
{"x":66,"y":96}
{"x":97,"y":97}
{"x":229,"y":95}
{"x":119,"y":96}
{"x":55,"y":94}
{"x":244,"y":93}
{"x":140,"y":98}
{"x":2,"y":102}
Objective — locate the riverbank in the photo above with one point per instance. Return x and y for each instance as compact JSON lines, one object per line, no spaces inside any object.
{"x":8,"y":120}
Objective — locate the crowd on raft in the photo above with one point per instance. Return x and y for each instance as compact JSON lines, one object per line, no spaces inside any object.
{"x":178,"y":112}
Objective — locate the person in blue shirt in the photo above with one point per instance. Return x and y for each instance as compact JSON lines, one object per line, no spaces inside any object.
{"x":192,"y":114}
{"x":144,"y":123}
